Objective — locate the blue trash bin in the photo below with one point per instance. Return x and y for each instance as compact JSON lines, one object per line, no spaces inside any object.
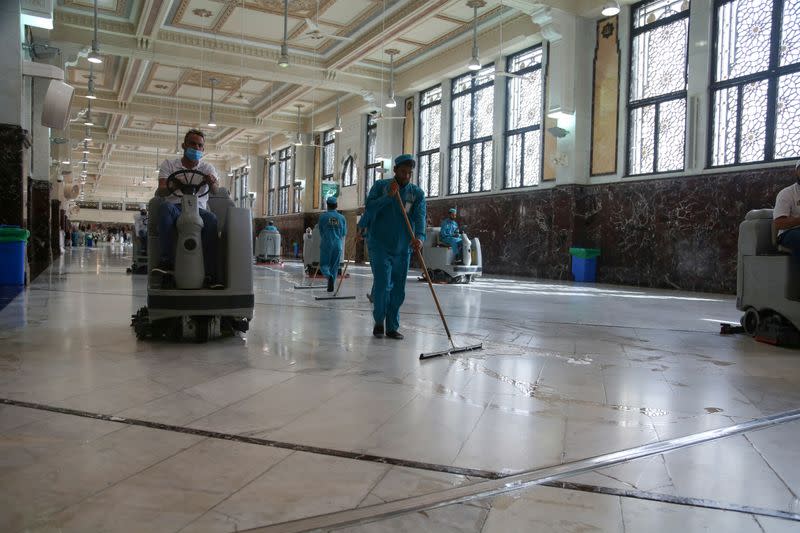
{"x":12,"y":254}
{"x":584,"y":263}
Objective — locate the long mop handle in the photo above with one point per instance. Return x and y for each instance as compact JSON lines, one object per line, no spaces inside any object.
{"x":425,"y":270}
{"x":344,"y":273}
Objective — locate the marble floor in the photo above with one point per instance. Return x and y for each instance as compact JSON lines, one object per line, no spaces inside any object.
{"x":308,"y":414}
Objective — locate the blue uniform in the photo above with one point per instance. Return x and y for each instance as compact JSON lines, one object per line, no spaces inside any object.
{"x":389,"y":246}
{"x":272,"y":229}
{"x":449,"y":235}
{"x":332,"y":229}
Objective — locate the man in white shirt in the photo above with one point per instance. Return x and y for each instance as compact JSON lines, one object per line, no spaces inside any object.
{"x":193,"y":147}
{"x":786,"y":215}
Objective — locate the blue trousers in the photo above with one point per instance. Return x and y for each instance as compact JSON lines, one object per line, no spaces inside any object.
{"x":330,"y":255}
{"x":389,"y":286}
{"x":454,"y":242}
{"x":791,"y":239}
{"x":166,"y":234}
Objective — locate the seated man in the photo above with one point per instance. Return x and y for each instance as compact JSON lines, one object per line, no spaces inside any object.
{"x":193,"y":147}
{"x":449,"y":233}
{"x":786,"y":215}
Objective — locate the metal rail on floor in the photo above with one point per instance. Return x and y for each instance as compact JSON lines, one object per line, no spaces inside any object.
{"x":516,"y":482}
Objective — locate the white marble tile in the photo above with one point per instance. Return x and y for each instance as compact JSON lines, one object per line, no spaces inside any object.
{"x":301,"y":485}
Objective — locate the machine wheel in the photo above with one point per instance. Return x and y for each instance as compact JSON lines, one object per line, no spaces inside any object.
{"x":140,"y":322}
{"x":751,"y":321}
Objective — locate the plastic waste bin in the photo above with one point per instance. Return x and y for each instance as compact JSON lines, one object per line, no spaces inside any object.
{"x":584,"y":263}
{"x":12,"y":254}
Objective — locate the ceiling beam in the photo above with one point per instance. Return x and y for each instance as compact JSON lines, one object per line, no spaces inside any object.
{"x":187,"y":51}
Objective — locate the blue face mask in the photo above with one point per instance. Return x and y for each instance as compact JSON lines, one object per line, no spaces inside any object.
{"x":192,"y":155}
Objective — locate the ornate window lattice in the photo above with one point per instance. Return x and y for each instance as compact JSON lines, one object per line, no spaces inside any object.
{"x":349,"y":175}
{"x":271,"y":184}
{"x":372,"y":163}
{"x":755,"y":93}
{"x":241,"y":187}
{"x":285,"y":178}
{"x":524,"y":119}
{"x":472,"y":112}
{"x":658,"y":79}
{"x":430,"y":134}
{"x":328,"y":154}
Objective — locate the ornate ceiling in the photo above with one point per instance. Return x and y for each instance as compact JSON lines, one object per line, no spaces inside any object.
{"x":160,"y":57}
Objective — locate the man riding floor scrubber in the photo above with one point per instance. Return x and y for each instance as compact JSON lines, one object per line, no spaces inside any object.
{"x":178,"y":305}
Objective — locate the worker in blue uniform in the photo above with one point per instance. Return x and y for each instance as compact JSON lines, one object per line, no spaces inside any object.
{"x":332,"y":230}
{"x":271,"y":227}
{"x":449,"y":233}
{"x":390,"y":244}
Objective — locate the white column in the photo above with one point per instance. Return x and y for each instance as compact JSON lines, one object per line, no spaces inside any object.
{"x":698,"y":99}
{"x":40,"y":149}
{"x":11,"y":63}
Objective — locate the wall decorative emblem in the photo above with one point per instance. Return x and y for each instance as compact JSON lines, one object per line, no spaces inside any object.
{"x":204,"y":13}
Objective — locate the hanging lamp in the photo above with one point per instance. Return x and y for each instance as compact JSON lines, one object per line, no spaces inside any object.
{"x":298,"y":140}
{"x":283,"y":60}
{"x":337,"y":128}
{"x":391,"y":103}
{"x":610,"y":8}
{"x":475,"y":62}
{"x":94,"y":55}
{"x":211,"y":122}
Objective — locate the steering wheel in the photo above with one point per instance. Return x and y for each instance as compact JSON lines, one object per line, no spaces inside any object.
{"x":188,"y":186}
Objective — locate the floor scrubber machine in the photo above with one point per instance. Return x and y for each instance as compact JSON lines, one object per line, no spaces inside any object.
{"x":180,"y":308}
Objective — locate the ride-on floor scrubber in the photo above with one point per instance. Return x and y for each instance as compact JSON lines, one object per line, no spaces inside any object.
{"x":180,"y":308}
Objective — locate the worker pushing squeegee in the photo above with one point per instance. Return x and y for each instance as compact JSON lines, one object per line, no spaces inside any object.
{"x":392,"y":205}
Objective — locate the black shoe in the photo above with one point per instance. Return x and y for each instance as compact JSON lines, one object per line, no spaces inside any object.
{"x":377,"y":330}
{"x":396,"y":335}
{"x":369,"y":297}
{"x":161,"y":279}
{"x":330,"y":284}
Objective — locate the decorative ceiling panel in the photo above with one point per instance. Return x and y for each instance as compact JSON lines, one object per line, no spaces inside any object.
{"x":258,"y":25}
{"x":344,"y":12}
{"x":198,"y":14}
{"x":430,"y":30}
{"x":383,"y":57}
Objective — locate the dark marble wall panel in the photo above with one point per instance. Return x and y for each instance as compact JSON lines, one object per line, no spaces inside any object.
{"x":13,"y":141}
{"x":674,"y":233}
{"x":55,"y":228}
{"x":671,"y":233}
{"x":39,"y":252}
{"x":527,"y":234}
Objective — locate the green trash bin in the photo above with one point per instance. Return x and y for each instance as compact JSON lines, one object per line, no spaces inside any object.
{"x":584,"y":263}
{"x":12,"y":254}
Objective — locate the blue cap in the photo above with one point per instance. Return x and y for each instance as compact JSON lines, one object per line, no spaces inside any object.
{"x":452,"y":209}
{"x":331,"y":200}
{"x":404,"y":159}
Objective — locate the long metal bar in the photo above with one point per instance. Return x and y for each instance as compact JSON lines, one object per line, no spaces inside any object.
{"x":486,"y":489}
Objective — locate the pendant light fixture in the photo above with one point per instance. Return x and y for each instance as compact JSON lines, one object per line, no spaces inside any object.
{"x":270,"y":156}
{"x":88,"y":134}
{"x":211,"y":122}
{"x":283,"y":60}
{"x":298,"y":140}
{"x":391,"y":103}
{"x":475,"y":62}
{"x":610,"y":8}
{"x":337,"y":128}
{"x":90,"y":94}
{"x":157,"y":169}
{"x":88,"y":121}
{"x":85,"y":147}
{"x":247,"y":163}
{"x":94,"y":55}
